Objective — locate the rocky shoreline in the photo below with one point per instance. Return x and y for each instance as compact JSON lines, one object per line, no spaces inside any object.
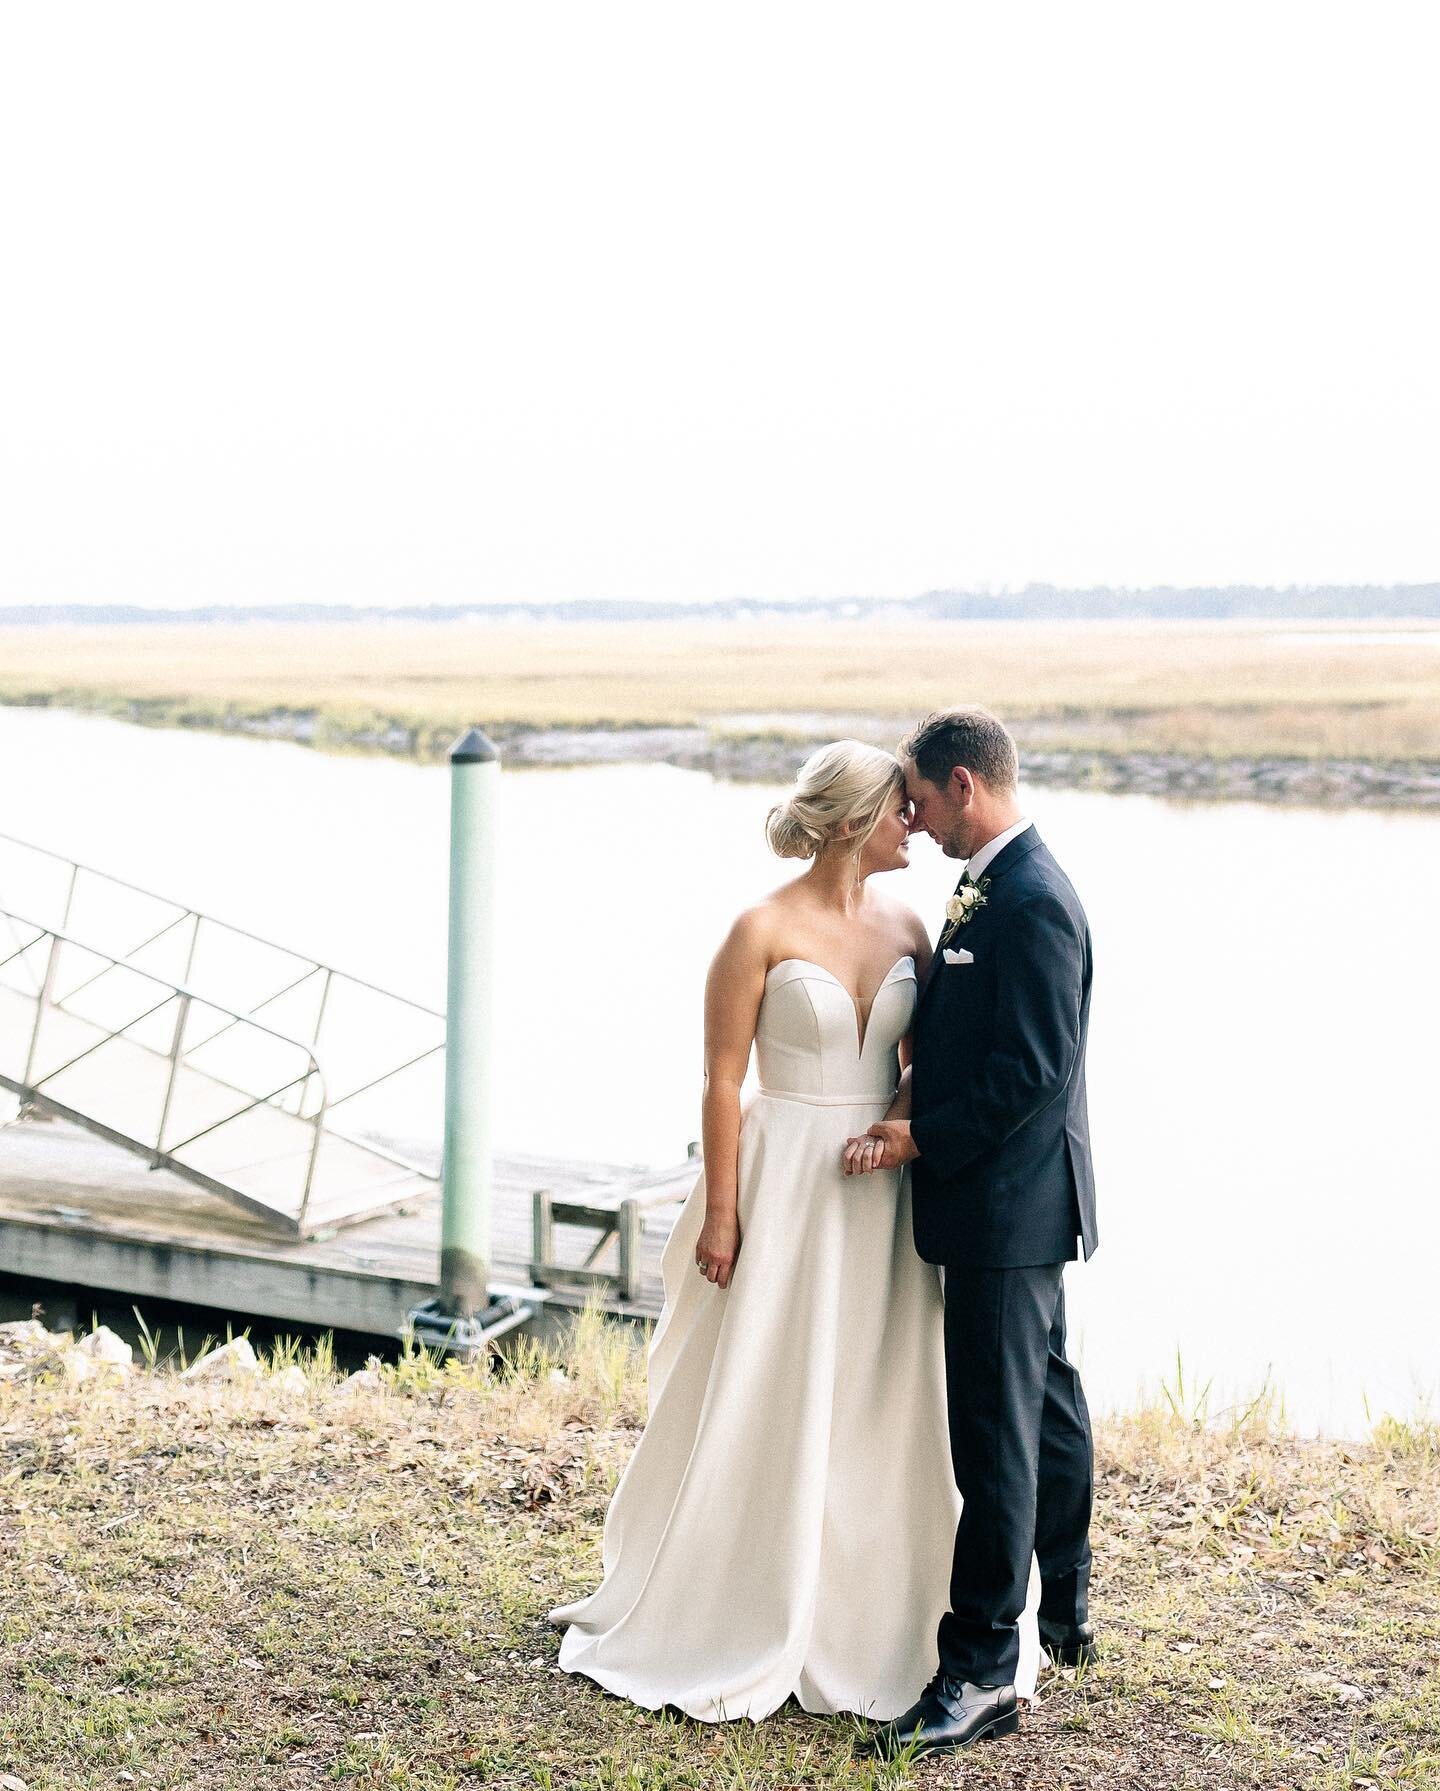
{"x":772,"y":754}
{"x":1335,"y":783}
{"x":775,"y":757}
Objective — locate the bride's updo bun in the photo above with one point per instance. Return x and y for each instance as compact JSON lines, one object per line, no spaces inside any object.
{"x":837,"y":785}
{"x":790,"y":834}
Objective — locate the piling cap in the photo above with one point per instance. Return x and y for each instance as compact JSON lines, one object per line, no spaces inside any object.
{"x":473,"y":748}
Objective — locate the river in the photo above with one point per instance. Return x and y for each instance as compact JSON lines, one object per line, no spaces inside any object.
{"x":1264,"y":1051}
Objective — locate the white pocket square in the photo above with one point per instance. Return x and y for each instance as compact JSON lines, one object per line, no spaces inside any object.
{"x":959,"y":957}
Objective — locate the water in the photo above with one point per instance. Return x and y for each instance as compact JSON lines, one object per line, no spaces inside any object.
{"x":1264,"y":1054}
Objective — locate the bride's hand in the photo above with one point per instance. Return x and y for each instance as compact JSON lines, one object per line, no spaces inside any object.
{"x":861,"y":1156}
{"x":887,"y":1145}
{"x":717,"y":1247}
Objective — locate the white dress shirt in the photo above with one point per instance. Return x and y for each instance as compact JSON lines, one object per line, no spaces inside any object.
{"x":993,"y":848}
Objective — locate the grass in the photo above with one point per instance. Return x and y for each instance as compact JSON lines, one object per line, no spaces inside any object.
{"x":1221,"y":689}
{"x":217,"y":1587}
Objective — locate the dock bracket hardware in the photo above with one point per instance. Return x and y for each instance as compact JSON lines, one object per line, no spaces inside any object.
{"x":508,"y":1309}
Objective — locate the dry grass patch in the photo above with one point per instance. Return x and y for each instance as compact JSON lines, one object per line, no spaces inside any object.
{"x":1221,"y":688}
{"x":244,"y":1585}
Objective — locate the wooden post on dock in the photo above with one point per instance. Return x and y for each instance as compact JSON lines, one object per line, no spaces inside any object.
{"x":467,"y":1171}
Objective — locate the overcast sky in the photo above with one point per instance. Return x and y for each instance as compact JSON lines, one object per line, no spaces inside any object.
{"x":447,"y":303}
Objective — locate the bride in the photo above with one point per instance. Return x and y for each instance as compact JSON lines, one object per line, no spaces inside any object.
{"x":785,"y":1525}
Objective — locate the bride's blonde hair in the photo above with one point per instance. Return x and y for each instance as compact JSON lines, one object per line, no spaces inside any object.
{"x":846,"y":782}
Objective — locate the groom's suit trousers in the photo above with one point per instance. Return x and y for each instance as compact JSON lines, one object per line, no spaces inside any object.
{"x":1021,"y":1446}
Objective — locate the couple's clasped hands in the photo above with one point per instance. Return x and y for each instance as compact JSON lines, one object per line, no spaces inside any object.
{"x":887,"y":1145}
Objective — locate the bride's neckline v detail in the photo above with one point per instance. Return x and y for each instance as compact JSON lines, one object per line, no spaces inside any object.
{"x":862,"y":1017}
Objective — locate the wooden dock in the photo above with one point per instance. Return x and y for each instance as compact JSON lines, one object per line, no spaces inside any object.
{"x":77,"y":1209}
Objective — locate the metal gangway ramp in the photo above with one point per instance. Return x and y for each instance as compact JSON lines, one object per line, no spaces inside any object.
{"x":269,"y":1078}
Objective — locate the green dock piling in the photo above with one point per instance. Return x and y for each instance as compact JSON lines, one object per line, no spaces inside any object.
{"x":470,"y":1008}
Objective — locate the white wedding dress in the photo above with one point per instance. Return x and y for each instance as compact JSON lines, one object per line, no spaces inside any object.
{"x":785,"y":1525}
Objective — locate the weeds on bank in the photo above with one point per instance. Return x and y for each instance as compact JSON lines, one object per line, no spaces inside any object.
{"x":224,"y":1586}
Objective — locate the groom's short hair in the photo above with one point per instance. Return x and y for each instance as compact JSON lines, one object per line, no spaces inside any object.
{"x":973,"y":738}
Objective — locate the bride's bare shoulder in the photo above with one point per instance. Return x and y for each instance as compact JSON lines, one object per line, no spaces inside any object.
{"x":755,"y":930}
{"x":903,"y":920}
{"x":751,"y":931}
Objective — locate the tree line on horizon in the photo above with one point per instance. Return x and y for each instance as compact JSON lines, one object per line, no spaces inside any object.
{"x":1037,"y":603}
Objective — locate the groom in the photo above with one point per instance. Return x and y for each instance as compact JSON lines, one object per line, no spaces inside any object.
{"x":1002,"y":1191}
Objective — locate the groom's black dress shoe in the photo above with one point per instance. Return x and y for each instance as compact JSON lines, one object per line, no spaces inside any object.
{"x":1068,"y":1644}
{"x":950,"y":1713}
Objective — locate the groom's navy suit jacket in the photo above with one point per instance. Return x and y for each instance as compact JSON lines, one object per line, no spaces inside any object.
{"x":1004,"y":1179}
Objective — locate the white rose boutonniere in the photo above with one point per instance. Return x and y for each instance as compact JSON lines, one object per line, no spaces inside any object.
{"x":963,"y":906}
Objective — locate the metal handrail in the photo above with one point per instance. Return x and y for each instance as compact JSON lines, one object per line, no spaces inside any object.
{"x":125,"y":964}
{"x":169,"y":927}
{"x":219,"y":1031}
{"x":307,"y":968}
{"x":44,"y":932}
{"x":360,"y":1140}
{"x":177,"y":1054}
{"x":199,"y":914}
{"x":292,"y":970}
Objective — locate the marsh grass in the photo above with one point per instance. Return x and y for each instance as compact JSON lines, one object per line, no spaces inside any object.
{"x":1221,"y":689}
{"x":216,"y":1587}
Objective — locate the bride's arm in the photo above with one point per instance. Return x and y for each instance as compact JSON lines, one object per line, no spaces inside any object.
{"x":899,"y":1108}
{"x":924,"y":954}
{"x":733,"y":991}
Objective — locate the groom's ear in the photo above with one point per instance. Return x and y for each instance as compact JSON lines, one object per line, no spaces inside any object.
{"x":962,"y":783}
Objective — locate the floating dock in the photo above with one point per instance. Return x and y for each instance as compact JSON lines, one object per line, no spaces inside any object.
{"x":79,"y":1210}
